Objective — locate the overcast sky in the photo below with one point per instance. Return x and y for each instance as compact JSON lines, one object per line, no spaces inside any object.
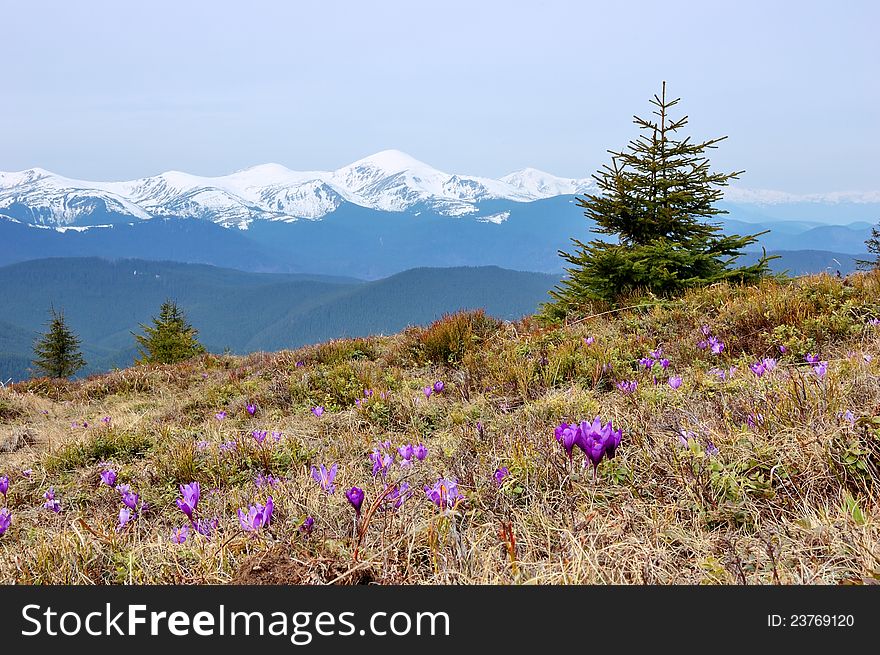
{"x":118,"y":90}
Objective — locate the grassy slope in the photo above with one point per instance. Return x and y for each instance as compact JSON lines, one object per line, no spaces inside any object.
{"x":790,"y":497}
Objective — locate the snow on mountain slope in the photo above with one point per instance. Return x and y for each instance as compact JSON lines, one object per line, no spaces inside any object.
{"x":41,"y":197}
{"x":538,"y":184}
{"x":389,"y":181}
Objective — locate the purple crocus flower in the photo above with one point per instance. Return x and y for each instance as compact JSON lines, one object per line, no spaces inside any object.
{"x":782,"y":349}
{"x":420,"y":451}
{"x":627,"y":386}
{"x":256,"y":517}
{"x":594,"y":448}
{"x":381,"y":461}
{"x":267,"y":480}
{"x":307,"y":526}
{"x":220,"y":415}
{"x":568,"y":435}
{"x":108,"y":477}
{"x":812,"y":359}
{"x":428,"y":391}
{"x":124,"y":517}
{"x":201,"y":445}
{"x":657,"y":354}
{"x":438,"y":386}
{"x":444,"y":493}
{"x":106,"y":420}
{"x":27,"y":473}
{"x":500,"y":474}
{"x":179,"y":535}
{"x":598,"y":441}
{"x":130,"y":499}
{"x":51,"y":502}
{"x":664,"y":363}
{"x":5,"y":520}
{"x":820,"y":369}
{"x":706,"y":330}
{"x":251,"y":409}
{"x":300,"y":364}
{"x":758,"y":368}
{"x":228,"y":447}
{"x":318,"y":411}
{"x":711,"y":448}
{"x":674,"y":381}
{"x":406,"y":454}
{"x":848,"y":416}
{"x":612,"y":439}
{"x":4,"y":484}
{"x":589,"y":340}
{"x":190,"y":500}
{"x":647,"y":362}
{"x":325,"y":478}
{"x":715,"y":345}
{"x":355,"y":496}
{"x":260,"y":436}
{"x":276,"y":435}
{"x":398,"y":495}
{"x":368,"y":393}
{"x":206,"y":527}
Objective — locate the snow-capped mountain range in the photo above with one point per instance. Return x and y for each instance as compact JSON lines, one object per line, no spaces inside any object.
{"x":387,"y":181}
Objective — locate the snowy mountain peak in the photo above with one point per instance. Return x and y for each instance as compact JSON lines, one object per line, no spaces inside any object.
{"x":22,"y":177}
{"x":390,"y":161}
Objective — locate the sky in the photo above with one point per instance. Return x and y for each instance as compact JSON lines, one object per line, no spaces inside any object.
{"x":120,"y":90}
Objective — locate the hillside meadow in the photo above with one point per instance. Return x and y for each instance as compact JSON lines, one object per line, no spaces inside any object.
{"x":748,"y":418}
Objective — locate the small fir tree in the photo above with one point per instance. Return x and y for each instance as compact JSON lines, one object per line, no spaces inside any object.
{"x":57,"y":351}
{"x":654,"y":197}
{"x":170,"y":339}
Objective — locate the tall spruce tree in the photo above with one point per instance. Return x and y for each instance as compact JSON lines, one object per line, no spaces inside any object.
{"x":654,"y":197}
{"x":170,"y":339}
{"x":57,"y":351}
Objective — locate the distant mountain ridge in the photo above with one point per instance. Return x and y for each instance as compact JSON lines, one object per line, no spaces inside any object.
{"x":104,"y":301}
{"x":388,"y":181}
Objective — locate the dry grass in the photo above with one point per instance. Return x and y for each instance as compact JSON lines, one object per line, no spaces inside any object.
{"x":791,"y":497}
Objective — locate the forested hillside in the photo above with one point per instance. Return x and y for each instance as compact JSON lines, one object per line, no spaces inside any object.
{"x":105,"y":301}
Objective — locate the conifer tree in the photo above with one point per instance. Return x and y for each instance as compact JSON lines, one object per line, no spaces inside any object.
{"x":654,"y":200}
{"x":57,"y":351}
{"x":170,"y":339}
{"x":873,"y":246}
